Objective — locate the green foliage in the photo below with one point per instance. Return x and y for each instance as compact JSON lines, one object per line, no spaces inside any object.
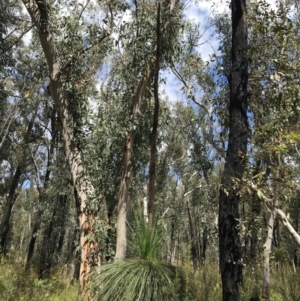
{"x":145,"y":243}
{"x":133,"y":280}
{"x":143,"y":277}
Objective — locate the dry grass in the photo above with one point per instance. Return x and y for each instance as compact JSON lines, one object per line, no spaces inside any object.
{"x":16,"y":285}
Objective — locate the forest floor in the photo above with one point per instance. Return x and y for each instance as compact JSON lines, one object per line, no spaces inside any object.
{"x":16,"y":284}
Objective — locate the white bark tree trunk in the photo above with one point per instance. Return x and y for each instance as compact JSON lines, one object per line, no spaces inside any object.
{"x":267,"y":252}
{"x":126,"y":174}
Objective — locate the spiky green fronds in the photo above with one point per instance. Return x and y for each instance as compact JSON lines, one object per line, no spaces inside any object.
{"x":141,"y":280}
{"x":144,"y":243}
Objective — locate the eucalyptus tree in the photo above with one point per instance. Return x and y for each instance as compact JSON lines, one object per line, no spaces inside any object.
{"x":42,"y":184}
{"x":24,"y":99}
{"x":145,"y":34}
{"x":274,"y":82}
{"x":9,"y":29}
{"x":272,"y":88}
{"x":229,"y":242}
{"x":63,"y":66}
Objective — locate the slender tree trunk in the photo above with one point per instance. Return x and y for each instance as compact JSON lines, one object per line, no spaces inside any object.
{"x":204,"y":244}
{"x":126,"y":174}
{"x":255,"y":294}
{"x":296,"y":227}
{"x":72,"y":246}
{"x":35,"y":229}
{"x":61,"y":224}
{"x":41,"y":190}
{"x":267,"y":252}
{"x":47,"y":247}
{"x":12,"y":195}
{"x":229,"y":241}
{"x":193,"y":238}
{"x":153,"y":139}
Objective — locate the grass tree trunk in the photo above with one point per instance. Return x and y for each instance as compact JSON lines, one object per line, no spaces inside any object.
{"x":12,"y":195}
{"x":229,"y":241}
{"x":39,"y":13}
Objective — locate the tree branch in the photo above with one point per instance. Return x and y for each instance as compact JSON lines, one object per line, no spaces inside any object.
{"x":19,"y":38}
{"x":190,"y":94}
{"x":278,"y":214}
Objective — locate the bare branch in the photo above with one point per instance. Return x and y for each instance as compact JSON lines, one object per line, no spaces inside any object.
{"x":278,"y":214}
{"x":19,"y":38}
{"x":190,"y":94}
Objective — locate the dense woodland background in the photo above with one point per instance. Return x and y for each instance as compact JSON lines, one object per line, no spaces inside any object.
{"x":111,"y":189}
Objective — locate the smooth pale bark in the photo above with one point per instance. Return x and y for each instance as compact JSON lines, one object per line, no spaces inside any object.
{"x":83,"y":188}
{"x":278,"y":213}
{"x":127,"y":153}
{"x":267,"y":252}
{"x":229,"y":241}
{"x":126,"y":174}
{"x":275,"y":213}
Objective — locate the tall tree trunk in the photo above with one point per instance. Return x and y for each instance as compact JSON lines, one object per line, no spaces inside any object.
{"x":229,"y":241}
{"x":296,"y":227}
{"x":204,"y":244}
{"x":12,"y":196}
{"x":153,"y":138}
{"x":255,"y":294}
{"x":61,"y":223}
{"x":35,"y":229}
{"x":267,"y":252}
{"x":193,"y":238}
{"x":126,"y":174}
{"x":41,"y":191}
{"x":47,"y":247}
{"x":38,"y":11}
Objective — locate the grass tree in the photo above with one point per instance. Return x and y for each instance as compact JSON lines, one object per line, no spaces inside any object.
{"x":143,"y":276}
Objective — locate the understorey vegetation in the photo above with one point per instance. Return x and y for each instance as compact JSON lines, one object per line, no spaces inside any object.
{"x":149,"y":150}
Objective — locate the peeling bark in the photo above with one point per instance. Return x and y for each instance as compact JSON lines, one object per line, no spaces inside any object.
{"x":38,"y":11}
